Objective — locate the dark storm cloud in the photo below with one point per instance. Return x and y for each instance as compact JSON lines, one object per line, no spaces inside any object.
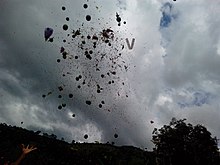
{"x":25,"y":58}
{"x":28,"y":64}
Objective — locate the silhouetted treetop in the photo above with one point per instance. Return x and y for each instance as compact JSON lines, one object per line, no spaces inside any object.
{"x":181,"y":143}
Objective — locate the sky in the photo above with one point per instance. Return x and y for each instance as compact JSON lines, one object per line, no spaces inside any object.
{"x":114,"y":92}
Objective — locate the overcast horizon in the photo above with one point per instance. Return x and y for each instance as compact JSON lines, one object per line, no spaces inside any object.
{"x":89,"y":79}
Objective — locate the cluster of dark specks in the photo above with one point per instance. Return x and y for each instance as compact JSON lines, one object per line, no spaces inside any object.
{"x":76,"y":33}
{"x":78,"y":77}
{"x":100,"y":52}
{"x":99,"y":89}
{"x":63,"y":105}
{"x":60,"y":88}
{"x":101,"y":104}
{"x":118,"y":19}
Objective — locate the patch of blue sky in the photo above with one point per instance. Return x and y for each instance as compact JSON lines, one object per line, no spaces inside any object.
{"x":197,"y":98}
{"x":165,"y":20}
{"x":190,"y":97}
{"x":168,"y":16}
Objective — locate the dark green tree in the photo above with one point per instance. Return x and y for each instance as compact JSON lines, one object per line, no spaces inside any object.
{"x":183,"y":144}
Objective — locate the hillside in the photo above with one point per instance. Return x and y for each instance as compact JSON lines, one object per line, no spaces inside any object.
{"x":52,"y":151}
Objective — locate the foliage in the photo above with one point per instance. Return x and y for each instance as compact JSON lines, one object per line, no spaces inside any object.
{"x":50,"y":150}
{"x":180,"y":143}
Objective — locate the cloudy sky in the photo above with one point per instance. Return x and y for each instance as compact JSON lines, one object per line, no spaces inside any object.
{"x":173,"y":69}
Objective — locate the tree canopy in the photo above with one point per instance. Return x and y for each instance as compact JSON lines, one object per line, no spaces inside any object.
{"x":181,"y":143}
